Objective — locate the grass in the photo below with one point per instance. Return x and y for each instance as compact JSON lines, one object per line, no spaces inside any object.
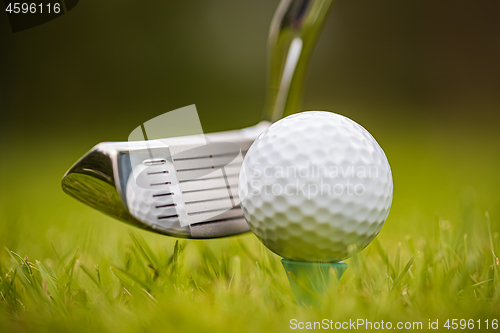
{"x":236,"y":283}
{"x":64,"y":267}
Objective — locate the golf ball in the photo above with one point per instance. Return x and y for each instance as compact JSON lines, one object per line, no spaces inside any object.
{"x":313,"y":185}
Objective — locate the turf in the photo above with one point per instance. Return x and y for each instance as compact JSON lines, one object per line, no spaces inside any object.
{"x":65,"y":267}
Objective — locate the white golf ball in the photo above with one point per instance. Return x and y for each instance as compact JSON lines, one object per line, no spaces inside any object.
{"x":313,"y":185}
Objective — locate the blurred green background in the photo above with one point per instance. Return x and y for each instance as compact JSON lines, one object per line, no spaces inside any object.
{"x":421,"y":76}
{"x":100,"y":70}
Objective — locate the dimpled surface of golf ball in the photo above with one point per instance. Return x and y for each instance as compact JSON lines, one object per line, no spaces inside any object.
{"x":313,"y":185}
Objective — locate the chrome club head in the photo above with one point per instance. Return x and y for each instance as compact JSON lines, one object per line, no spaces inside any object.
{"x":178,"y":187}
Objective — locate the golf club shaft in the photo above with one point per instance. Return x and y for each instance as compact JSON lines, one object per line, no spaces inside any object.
{"x":293,"y":33}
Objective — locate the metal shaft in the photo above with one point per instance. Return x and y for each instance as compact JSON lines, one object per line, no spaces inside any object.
{"x":293,"y":34}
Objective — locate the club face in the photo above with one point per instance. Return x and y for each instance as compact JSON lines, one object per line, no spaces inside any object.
{"x":177,"y":187}
{"x":99,"y":179}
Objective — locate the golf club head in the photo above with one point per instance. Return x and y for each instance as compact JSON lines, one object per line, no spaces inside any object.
{"x":184,"y":187}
